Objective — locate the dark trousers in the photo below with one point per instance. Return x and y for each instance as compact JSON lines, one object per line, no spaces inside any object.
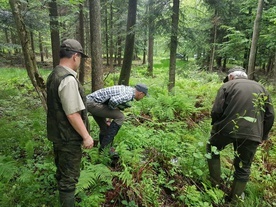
{"x":101,"y":111}
{"x":244,"y":153}
{"x":67,"y":160}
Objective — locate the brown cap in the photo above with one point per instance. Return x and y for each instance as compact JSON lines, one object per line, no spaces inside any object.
{"x":73,"y":45}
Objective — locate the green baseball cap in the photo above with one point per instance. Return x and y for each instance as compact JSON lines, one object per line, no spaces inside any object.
{"x":73,"y":45}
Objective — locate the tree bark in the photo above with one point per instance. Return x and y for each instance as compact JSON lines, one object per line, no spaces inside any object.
{"x":54,"y":28}
{"x":213,"y":46}
{"x":106,"y":33}
{"x":81,"y":38}
{"x":29,"y":57}
{"x":273,"y":69}
{"x":41,"y":47}
{"x":255,"y":37}
{"x":111,"y":38}
{"x":173,"y":48}
{"x":128,"y":53}
{"x":96,"y":50}
{"x":119,"y":51}
{"x":151,"y":38}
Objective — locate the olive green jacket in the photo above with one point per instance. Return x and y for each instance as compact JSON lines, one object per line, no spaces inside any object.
{"x":242,"y":109}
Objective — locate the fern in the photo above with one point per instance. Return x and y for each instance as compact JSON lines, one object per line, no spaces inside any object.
{"x":8,"y":168}
{"x":97,"y":177}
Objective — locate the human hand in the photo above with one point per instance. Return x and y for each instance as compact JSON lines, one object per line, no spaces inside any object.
{"x":88,"y":142}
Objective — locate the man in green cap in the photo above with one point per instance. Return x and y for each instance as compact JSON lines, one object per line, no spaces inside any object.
{"x":67,"y":123}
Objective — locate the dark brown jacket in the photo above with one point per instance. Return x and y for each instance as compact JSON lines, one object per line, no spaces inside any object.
{"x":243,"y":109}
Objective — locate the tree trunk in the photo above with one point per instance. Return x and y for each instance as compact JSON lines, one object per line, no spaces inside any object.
{"x":28,"y":53}
{"x":144,"y":51}
{"x":219,"y":62}
{"x":151,"y":38}
{"x":213,"y":46}
{"x":32,"y":41}
{"x":128,"y":53}
{"x":255,"y":37}
{"x":245,"y":57}
{"x":270,"y":63}
{"x":111,"y":37}
{"x":96,"y":49}
{"x":224,"y":65}
{"x":106,"y":33}
{"x":173,"y":48}
{"x":81,"y":38}
{"x":273,"y":70}
{"x":54,"y":28}
{"x":41,"y":47}
{"x":119,"y":51}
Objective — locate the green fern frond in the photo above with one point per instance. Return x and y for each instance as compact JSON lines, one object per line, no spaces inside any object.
{"x":8,"y":168}
{"x":97,"y":176}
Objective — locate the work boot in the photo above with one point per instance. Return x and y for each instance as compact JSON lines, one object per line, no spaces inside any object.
{"x":237,"y":190}
{"x":67,"y":199}
{"x":215,"y":171}
{"x":111,"y":133}
{"x":113,"y":154}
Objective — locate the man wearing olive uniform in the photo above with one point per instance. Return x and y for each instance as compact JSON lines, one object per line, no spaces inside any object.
{"x":67,"y":125}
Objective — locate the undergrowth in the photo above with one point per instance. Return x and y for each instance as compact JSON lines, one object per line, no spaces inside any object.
{"x":161,"y":146}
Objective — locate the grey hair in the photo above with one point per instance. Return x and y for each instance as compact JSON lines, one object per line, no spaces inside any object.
{"x":238,"y":74}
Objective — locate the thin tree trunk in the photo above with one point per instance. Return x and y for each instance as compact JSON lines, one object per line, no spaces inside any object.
{"x":54,"y":27}
{"x":255,"y":37}
{"x":111,"y":37}
{"x":106,"y":34}
{"x":144,"y":51}
{"x":128,"y":53}
{"x":96,"y":50}
{"x":119,"y":53}
{"x":32,"y":41}
{"x":41,"y":47}
{"x":273,"y":69}
{"x":245,"y":57}
{"x":81,"y":38}
{"x":151,"y":38}
{"x":173,"y":48}
{"x":224,"y":64}
{"x":213,"y":49}
{"x":29,"y":56}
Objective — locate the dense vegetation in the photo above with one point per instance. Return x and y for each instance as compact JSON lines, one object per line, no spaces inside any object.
{"x":161,"y":145}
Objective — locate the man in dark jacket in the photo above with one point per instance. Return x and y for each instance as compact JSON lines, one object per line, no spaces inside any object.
{"x":243,"y":115}
{"x":67,"y":125}
{"x":109,"y":103}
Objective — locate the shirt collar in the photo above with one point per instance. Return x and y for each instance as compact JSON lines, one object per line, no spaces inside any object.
{"x":74,"y":73}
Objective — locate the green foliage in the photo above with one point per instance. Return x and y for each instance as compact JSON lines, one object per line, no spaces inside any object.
{"x":161,"y":147}
{"x":8,"y":169}
{"x":94,"y":181}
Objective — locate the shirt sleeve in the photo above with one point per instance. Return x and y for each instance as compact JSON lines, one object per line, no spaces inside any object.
{"x":69,"y":95}
{"x":117,"y":100}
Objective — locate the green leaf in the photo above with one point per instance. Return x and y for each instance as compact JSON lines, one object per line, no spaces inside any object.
{"x":250,"y":119}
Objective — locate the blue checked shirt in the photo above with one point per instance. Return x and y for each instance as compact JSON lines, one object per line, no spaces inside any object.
{"x":113,"y":96}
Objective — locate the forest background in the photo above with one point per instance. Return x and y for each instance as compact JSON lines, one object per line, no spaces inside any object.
{"x":181,"y":49}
